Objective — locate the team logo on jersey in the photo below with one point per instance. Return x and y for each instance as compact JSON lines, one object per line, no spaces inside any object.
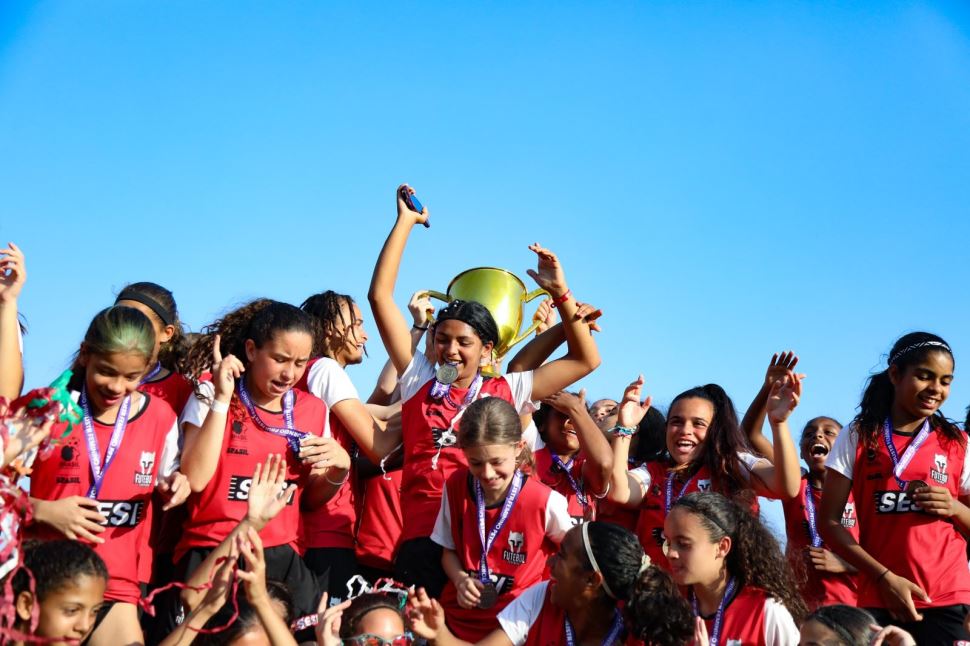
{"x":939,"y":473}
{"x":502,"y":582}
{"x":239,"y":488}
{"x":895,"y":502}
{"x":121,"y":513}
{"x":848,"y":515}
{"x":444,"y":437}
{"x":704,"y":485}
{"x":515,"y":554}
{"x":69,"y":454}
{"x":143,"y":477}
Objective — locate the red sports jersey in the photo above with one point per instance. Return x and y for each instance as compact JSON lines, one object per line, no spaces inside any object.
{"x":927,"y":550}
{"x":174,"y":389}
{"x":381,"y":521}
{"x":554,"y":477}
{"x":744,"y":620}
{"x":430,"y":453}
{"x":126,"y":490}
{"x":332,"y":525}
{"x":534,"y":620}
{"x":653,"y":513}
{"x":517,"y":557}
{"x":820,"y":588}
{"x":216,"y":510}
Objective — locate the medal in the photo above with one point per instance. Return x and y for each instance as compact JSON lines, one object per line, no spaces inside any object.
{"x":447,"y":373}
{"x":900,"y":463}
{"x":566,"y":468}
{"x":719,"y":617}
{"x":98,"y":470}
{"x":489,"y":596}
{"x":913,"y":486}
{"x":290,"y":434}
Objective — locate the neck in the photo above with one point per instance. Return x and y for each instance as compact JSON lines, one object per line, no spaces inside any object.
{"x":494,"y":498}
{"x":709,"y":595}
{"x":816,"y":478}
{"x":591,"y":618}
{"x":904,"y":422}
{"x":566,"y":457}
{"x":269,"y":402}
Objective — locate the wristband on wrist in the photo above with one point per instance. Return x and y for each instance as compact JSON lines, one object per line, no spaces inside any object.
{"x":219,"y":407}
{"x":623,"y":431}
{"x":337,"y":484}
{"x":418,"y":327}
{"x":562,"y":299}
{"x":884,"y":573}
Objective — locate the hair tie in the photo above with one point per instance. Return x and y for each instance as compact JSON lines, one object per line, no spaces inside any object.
{"x":916,"y":346}
{"x":592,"y":561}
{"x":131,"y":295}
{"x":644,"y":564}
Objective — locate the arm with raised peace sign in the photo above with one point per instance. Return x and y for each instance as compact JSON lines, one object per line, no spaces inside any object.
{"x":625,"y":489}
{"x":200,"y":453}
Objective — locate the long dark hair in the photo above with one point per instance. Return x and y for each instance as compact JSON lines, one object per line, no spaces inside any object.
{"x":475,"y":315}
{"x":852,"y":625}
{"x":723,"y":442}
{"x":162,"y":303}
{"x":655,"y":611}
{"x":326,"y":308}
{"x":755,"y":557}
{"x":114,"y":329}
{"x":877,"y":399}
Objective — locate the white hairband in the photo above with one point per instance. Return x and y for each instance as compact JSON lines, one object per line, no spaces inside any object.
{"x":922,"y":344}
{"x":592,"y":560}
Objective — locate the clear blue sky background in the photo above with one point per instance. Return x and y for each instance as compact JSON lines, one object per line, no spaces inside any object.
{"x":724,"y":179}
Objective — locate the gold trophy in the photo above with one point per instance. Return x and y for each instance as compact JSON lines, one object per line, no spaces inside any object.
{"x":503,"y":294}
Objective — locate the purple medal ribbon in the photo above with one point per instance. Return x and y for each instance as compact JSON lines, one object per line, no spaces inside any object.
{"x":614,"y":633}
{"x":719,"y":617}
{"x":670,"y":500}
{"x":152,"y":373}
{"x":900,"y":463}
{"x":98,"y":470}
{"x":810,"y":511}
{"x":566,"y":466}
{"x":514,"y":488}
{"x":290,"y":434}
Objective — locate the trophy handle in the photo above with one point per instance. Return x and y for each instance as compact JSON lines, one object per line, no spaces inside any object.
{"x":444,"y":298}
{"x":534,"y":294}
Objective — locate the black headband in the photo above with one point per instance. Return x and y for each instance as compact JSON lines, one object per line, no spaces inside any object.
{"x":150,"y":303}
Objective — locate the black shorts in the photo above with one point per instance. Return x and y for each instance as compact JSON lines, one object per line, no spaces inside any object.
{"x":418,"y":563}
{"x":99,"y":619}
{"x":943,"y":625}
{"x":333,"y":568}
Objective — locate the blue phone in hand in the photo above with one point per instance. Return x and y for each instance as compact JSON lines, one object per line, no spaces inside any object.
{"x":414,"y":204}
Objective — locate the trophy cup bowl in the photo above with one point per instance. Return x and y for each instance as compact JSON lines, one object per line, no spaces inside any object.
{"x":503,"y":294}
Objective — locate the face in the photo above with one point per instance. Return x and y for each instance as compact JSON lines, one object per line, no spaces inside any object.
{"x":559,"y":434}
{"x":493,"y":465}
{"x":69,"y":612}
{"x":163,"y":333}
{"x":457,"y":342}
{"x":278,"y":365}
{"x":817,"y":440}
{"x":814,"y":633}
{"x":109,"y":378}
{"x":381,"y":622}
{"x":921,"y":388}
{"x":348,"y":337}
{"x":687,"y":425}
{"x":603,"y":413}
{"x":568,"y":573}
{"x":693,"y":557}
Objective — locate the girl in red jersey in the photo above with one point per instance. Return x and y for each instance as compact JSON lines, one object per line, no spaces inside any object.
{"x":98,"y":486}
{"x":599,"y":567}
{"x":706,"y":451}
{"x":434,"y":401}
{"x":737,"y":578}
{"x":13,"y":275}
{"x":497,"y":524}
{"x":248,"y":411}
{"x":564,"y":424}
{"x":907,"y":468}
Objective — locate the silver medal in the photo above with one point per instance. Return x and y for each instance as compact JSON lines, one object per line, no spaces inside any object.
{"x":447,"y":373}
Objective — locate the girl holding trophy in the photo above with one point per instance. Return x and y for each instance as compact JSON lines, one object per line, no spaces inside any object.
{"x":435,"y":397}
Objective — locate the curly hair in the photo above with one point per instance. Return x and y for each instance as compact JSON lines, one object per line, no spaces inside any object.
{"x":755,"y":557}
{"x":877,"y":398}
{"x":327,"y":308}
{"x":162,"y":304}
{"x":655,"y":611}
{"x":724,"y":440}
{"x":56,"y":564}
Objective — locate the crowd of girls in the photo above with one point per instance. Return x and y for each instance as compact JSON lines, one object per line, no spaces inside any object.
{"x":233,"y":487}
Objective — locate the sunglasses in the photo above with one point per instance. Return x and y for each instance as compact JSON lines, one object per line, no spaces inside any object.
{"x":376,"y":640}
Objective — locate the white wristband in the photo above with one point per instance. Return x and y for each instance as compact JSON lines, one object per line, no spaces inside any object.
{"x":219,"y":407}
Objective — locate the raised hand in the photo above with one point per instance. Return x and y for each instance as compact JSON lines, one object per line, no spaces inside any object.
{"x":567,"y":403}
{"x":784,"y":396}
{"x":426,"y":616}
{"x":890,"y":636}
{"x":254,"y":576}
{"x":589,"y":314}
{"x":545,"y":315}
{"x":13,"y":273}
{"x":421,"y":308}
{"x":174,"y":490}
{"x":76,"y":517}
{"x":221,"y":584}
{"x":268,"y":493}
{"x":630,"y":409}
{"x":23,"y":434}
{"x":327,"y":629}
{"x":700,"y":633}
{"x":549,"y":274}
{"x":323,"y":454}
{"x":404,"y":212}
{"x":225,"y":371}
{"x":780,"y":365}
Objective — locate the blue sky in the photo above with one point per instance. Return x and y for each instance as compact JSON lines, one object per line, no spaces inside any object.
{"x":724,"y":179}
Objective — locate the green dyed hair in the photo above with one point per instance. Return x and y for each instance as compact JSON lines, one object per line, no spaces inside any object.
{"x":115,"y":329}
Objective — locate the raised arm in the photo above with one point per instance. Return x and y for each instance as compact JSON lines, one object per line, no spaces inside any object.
{"x":13,"y":275}
{"x":781,"y":478}
{"x":599,"y":455}
{"x":537,"y":351}
{"x":390,"y":322}
{"x":422,"y":312}
{"x":581,"y":357}
{"x":754,"y":417}
{"x":625,"y":489}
